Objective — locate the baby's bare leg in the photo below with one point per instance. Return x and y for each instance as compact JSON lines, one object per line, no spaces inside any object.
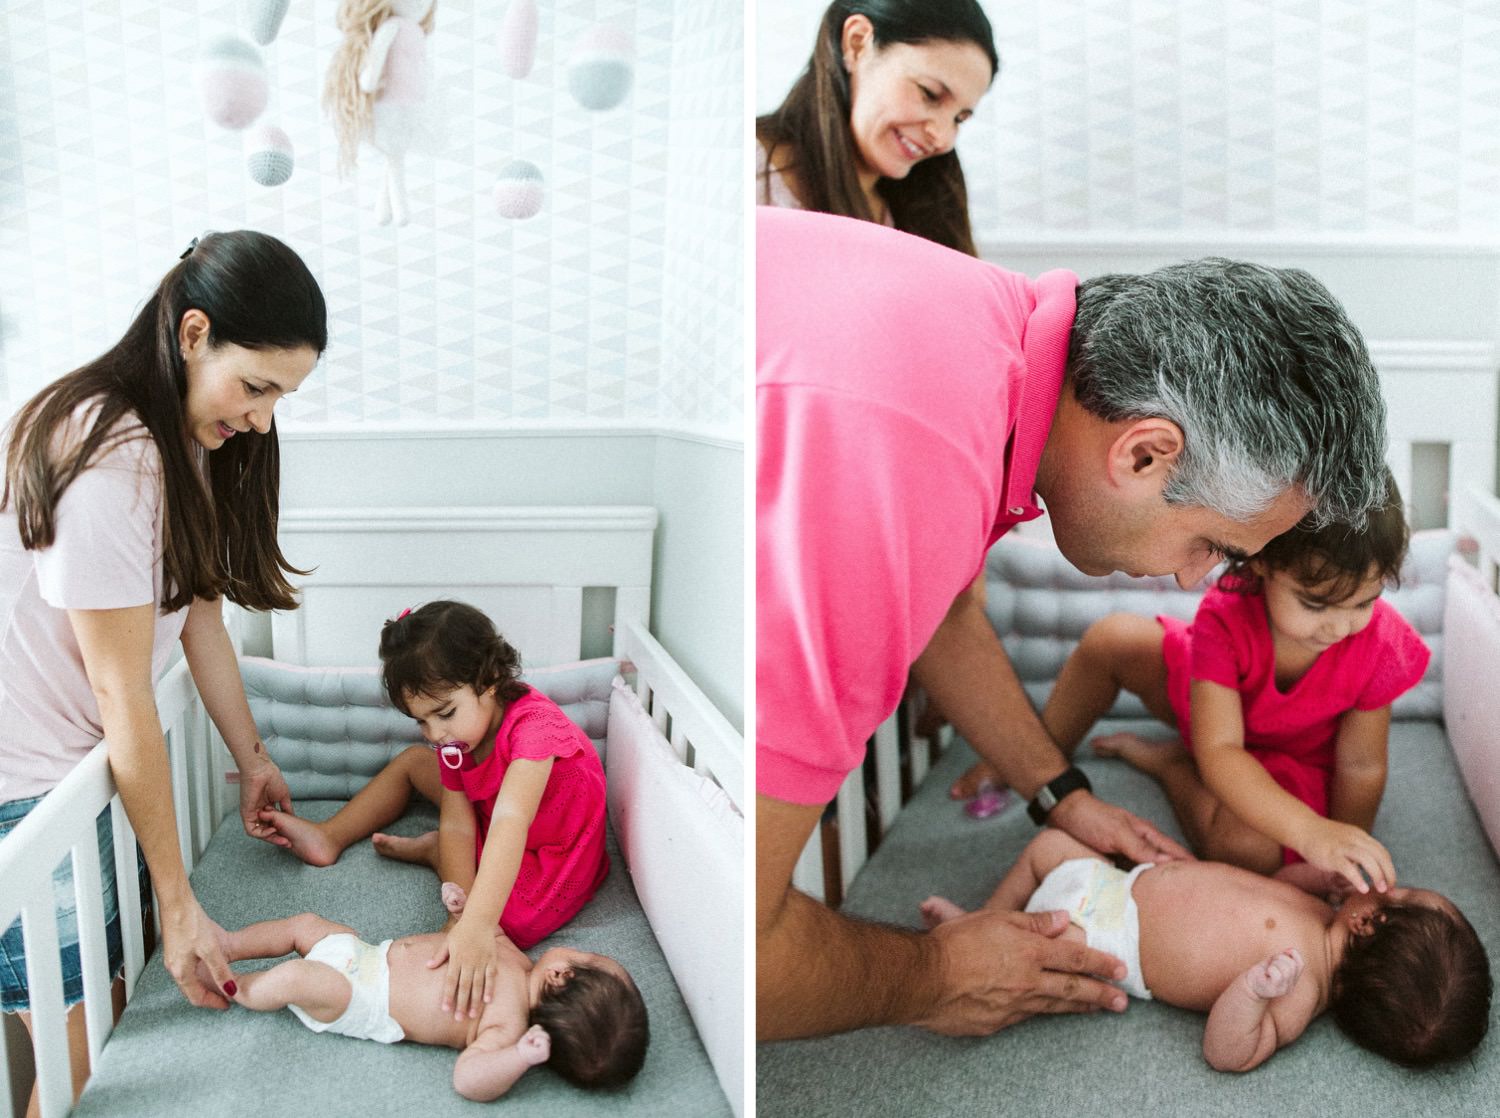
{"x":1043,"y":854}
{"x":315,"y":988}
{"x":271,"y":938}
{"x":378,"y":804}
{"x":1119,"y":652}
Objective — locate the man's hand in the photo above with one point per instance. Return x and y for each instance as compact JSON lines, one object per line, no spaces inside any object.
{"x":1113,"y":830}
{"x":1000,"y":968}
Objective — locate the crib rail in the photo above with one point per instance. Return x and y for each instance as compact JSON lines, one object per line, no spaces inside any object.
{"x":62,"y":826}
{"x":702,"y":737}
{"x":897,"y":761}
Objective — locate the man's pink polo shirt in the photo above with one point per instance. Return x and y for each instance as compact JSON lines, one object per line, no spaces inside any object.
{"x":904,"y":393}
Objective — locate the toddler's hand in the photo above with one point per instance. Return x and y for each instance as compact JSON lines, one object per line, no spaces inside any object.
{"x":535,"y":1046}
{"x":1349,"y":851}
{"x":454,"y":898}
{"x":1276,"y":975}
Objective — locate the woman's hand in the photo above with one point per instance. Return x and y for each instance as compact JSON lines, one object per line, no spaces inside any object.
{"x":195,"y":948}
{"x":261,"y":787}
{"x":473,"y":964}
{"x":1349,"y":851}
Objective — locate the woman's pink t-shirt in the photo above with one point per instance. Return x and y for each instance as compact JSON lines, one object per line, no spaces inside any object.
{"x":564,"y":862}
{"x":904,"y":392}
{"x":1291,"y":732}
{"x":107,"y":554}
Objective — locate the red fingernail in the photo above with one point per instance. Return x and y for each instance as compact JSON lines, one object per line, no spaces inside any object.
{"x":230,"y":988}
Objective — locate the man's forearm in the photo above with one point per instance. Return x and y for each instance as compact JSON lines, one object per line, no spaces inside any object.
{"x":965,"y":669}
{"x":820,"y":972}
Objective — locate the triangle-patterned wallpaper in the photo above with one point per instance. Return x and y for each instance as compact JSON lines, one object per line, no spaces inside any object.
{"x":622,"y":300}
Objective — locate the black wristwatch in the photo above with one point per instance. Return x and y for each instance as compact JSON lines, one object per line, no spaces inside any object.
{"x":1048,"y":795}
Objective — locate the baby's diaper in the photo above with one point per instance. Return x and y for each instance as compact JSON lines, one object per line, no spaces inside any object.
{"x":1096,"y":897}
{"x":368,"y":972}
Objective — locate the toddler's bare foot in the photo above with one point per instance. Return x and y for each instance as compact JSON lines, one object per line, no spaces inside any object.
{"x":966,"y":787}
{"x":307,"y":839}
{"x":939,"y":910}
{"x":1150,"y":757}
{"x":422,"y":850}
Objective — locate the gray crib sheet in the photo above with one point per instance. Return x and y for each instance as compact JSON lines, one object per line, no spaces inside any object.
{"x":1149,"y":1061}
{"x":167,"y":1059}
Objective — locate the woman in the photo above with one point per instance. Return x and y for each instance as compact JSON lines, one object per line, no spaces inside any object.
{"x":868,"y":129}
{"x":139,"y":490}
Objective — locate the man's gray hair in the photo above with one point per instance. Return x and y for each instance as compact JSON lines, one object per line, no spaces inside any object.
{"x":1260,"y":367}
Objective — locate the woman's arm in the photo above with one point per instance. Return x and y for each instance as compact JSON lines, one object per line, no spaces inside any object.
{"x":216,"y":672}
{"x":1248,"y":790}
{"x":116,"y":649}
{"x":470,"y":948}
{"x":1359,"y":766}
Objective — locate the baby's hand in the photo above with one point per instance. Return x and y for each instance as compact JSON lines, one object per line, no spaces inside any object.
{"x":535,"y":1046}
{"x":454,"y":898}
{"x":1276,"y":975}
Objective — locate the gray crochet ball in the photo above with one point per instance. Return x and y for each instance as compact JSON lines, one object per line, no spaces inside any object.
{"x":269,"y":168}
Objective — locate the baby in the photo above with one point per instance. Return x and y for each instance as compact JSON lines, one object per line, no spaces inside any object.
{"x":576,"y":1011}
{"x":1402,"y":972}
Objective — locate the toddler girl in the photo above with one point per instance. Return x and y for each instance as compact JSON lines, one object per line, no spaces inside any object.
{"x":520,"y":791}
{"x":1281,"y":690}
{"x":578,"y":1012}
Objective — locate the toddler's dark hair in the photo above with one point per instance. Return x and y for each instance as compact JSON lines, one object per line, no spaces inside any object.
{"x":597,"y":1022}
{"x":1336,"y":558}
{"x":1416,"y":990}
{"x":444,"y":645}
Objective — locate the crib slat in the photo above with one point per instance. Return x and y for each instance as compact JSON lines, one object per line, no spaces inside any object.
{"x":887,"y":773}
{"x":93,"y":950}
{"x":807,"y":875}
{"x":679,"y":744}
{"x":128,"y":884}
{"x":54,"y":1084}
{"x":918,"y":760}
{"x":854,"y":845}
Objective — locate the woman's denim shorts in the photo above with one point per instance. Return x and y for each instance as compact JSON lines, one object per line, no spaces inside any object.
{"x":14,"y":993}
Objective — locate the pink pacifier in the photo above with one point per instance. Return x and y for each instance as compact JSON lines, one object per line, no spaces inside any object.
{"x":452,"y":754}
{"x":988,"y":801}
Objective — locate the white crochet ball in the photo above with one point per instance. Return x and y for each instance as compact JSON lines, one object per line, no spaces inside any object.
{"x":268,"y":155}
{"x":601,"y":70}
{"x":519,"y":190}
{"x":232,"y":80}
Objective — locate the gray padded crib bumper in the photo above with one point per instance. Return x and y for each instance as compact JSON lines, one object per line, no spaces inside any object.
{"x":331,"y":729}
{"x":1041,"y":604}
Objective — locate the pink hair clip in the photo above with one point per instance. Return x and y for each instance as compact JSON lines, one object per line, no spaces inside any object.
{"x":403,"y":613}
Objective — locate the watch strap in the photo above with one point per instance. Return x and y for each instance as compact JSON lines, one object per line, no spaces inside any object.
{"x":1050,"y":794}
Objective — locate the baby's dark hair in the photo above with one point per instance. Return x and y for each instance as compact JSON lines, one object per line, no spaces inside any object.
{"x":598,"y":1026}
{"x":1336,"y":558}
{"x":445,"y":645}
{"x":1416,"y":989}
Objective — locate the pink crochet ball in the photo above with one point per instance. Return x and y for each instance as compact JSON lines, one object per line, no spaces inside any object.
{"x":232,"y":80}
{"x":519,"y":190}
{"x":516,"y":40}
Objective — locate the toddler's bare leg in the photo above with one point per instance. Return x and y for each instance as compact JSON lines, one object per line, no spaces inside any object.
{"x":1212,"y":830}
{"x":319,"y":990}
{"x":1119,"y":652}
{"x":378,"y":804}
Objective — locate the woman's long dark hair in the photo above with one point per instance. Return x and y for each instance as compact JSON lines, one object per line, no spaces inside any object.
{"x":257,"y":293}
{"x":809,"y":133}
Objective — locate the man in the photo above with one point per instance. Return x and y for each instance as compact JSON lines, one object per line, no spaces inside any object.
{"x":913,"y":404}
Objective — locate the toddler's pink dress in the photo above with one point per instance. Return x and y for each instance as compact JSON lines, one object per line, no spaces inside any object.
{"x":1290,"y":732}
{"x":564,"y":862}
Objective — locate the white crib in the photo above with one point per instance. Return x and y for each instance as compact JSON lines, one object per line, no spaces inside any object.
{"x":561,"y":582}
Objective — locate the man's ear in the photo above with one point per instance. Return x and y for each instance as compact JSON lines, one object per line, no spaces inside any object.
{"x":1145,"y":450}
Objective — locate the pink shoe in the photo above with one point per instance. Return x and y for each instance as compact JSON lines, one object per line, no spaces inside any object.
{"x":989,"y":801}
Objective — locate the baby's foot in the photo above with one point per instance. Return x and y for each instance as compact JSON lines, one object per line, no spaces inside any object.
{"x":966,"y":787}
{"x":1150,"y":757}
{"x":939,"y":910}
{"x":422,"y":850}
{"x":307,"y":839}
